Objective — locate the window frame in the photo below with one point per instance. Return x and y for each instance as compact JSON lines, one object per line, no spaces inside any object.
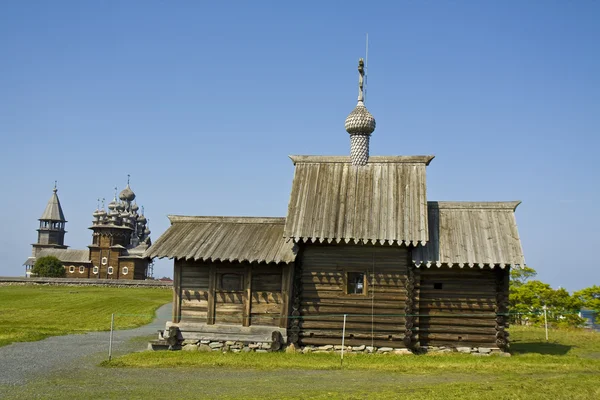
{"x":125,"y":270}
{"x":104,"y":261}
{"x":365,"y":281}
{"x":95,"y":270}
{"x":72,"y":269}
{"x":81,"y":269}
{"x":110,"y":270}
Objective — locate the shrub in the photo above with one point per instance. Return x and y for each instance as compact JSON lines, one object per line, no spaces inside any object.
{"x":49,"y":266}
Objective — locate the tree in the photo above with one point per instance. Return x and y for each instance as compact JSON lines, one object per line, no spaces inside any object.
{"x":49,"y":266}
{"x":519,"y":276}
{"x":589,"y":297}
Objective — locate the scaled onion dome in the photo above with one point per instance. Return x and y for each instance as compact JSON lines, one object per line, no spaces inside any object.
{"x":127,"y":194}
{"x":134,"y":207}
{"x":141,"y":219}
{"x":360,"y":121}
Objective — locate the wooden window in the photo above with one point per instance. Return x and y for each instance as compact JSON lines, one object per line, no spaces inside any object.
{"x":81,"y":269}
{"x":95,"y":271}
{"x":125,"y":270}
{"x":356,"y":283}
{"x":110,"y":270}
{"x":230,"y":282}
{"x":71,"y":269}
{"x":104,"y":260}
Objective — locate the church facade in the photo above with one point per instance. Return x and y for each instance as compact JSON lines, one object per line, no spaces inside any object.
{"x":119,"y":239}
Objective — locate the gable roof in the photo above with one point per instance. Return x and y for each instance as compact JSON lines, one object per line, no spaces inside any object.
{"x":240,"y":239}
{"x":469,"y":234}
{"x":67,"y":255}
{"x":382,"y":201}
{"x":53,"y":211}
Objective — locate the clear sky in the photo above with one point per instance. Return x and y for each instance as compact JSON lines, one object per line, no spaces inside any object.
{"x":201,"y":102}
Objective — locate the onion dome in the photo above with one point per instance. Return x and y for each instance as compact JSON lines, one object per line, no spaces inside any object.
{"x":113,"y":204}
{"x":127,"y":194}
{"x":147,"y":231}
{"x":120,"y":206}
{"x":360,"y":121}
{"x":141,"y":219}
{"x":97,"y":213}
{"x":134,"y":207}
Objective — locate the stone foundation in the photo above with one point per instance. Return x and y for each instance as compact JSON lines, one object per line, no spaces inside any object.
{"x":264,"y":347}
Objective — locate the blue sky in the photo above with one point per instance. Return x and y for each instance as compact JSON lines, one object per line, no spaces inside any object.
{"x":201,"y":102}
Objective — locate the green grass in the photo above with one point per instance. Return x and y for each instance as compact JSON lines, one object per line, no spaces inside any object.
{"x":31,"y":312}
{"x":567,"y":366}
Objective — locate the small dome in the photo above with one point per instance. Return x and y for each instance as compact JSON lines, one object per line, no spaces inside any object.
{"x":97,"y":213}
{"x":360,"y":121}
{"x":120,"y":206}
{"x":127,"y":194}
{"x":141,"y":219}
{"x":113,"y":204}
{"x":147,"y":231}
{"x":134,"y":207}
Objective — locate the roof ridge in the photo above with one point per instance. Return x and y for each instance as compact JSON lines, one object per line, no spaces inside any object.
{"x":226,"y":219}
{"x":418,"y":159}
{"x":474,"y":205}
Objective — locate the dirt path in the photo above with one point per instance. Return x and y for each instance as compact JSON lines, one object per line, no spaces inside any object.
{"x":22,"y":362}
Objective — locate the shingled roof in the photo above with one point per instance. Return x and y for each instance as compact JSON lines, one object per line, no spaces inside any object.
{"x":248,"y":239}
{"x":383,"y":201}
{"x":67,"y":255}
{"x":53,"y":210}
{"x":471,"y":234}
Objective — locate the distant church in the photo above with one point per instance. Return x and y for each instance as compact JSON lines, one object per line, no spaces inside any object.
{"x":120,"y":238}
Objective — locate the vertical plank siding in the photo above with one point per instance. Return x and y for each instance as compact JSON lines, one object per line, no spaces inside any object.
{"x":374,"y":317}
{"x":457,"y":306}
{"x":198,"y":296}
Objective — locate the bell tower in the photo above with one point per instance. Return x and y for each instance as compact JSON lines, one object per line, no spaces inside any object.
{"x":51,"y":232}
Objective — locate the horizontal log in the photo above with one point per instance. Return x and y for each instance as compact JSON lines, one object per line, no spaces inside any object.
{"x":352,"y":342}
{"x":195,"y":309}
{"x":266,"y":308}
{"x":456,"y":321}
{"x":459,"y":313}
{"x":228,"y":319}
{"x":194,"y":303}
{"x":471,"y":294}
{"x":457,"y":307}
{"x":306,"y":310}
{"x":225,"y":307}
{"x":355,"y":301}
{"x":336,"y":334}
{"x":313,"y":295}
{"x":264,"y":320}
{"x":378,"y":326}
{"x":468,"y":330}
{"x":424,"y":337}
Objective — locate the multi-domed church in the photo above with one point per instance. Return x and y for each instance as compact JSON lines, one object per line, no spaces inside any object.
{"x":120,"y":238}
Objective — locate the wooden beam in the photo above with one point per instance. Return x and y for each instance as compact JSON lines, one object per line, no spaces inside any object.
{"x":286,"y":289}
{"x":212,"y":277}
{"x":176,"y":292}
{"x":247,"y":296}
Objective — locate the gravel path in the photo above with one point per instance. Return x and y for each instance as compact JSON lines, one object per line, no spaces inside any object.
{"x":21,"y":362}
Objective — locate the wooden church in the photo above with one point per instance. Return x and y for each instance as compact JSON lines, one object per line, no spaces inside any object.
{"x":360,"y":243}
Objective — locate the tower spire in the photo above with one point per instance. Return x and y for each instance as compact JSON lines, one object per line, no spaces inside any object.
{"x":360,"y":124}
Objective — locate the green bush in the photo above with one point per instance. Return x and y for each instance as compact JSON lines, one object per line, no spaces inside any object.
{"x":49,"y":267}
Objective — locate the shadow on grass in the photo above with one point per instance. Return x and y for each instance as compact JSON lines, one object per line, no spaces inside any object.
{"x":555,"y":349}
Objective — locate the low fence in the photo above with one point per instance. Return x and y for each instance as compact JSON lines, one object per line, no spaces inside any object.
{"x":12,"y":280}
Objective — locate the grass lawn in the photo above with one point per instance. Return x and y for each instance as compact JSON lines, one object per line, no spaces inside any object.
{"x":34,"y":312}
{"x":567,"y":366}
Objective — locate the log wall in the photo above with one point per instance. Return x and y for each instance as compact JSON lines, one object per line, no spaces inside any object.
{"x":457,"y":306}
{"x":231,"y":293}
{"x":375,"y":317}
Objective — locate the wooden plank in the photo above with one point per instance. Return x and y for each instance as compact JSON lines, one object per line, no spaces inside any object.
{"x":176,"y":293}
{"x":286,"y":290}
{"x":379,"y":325}
{"x":210,"y":316}
{"x":248,"y":296}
